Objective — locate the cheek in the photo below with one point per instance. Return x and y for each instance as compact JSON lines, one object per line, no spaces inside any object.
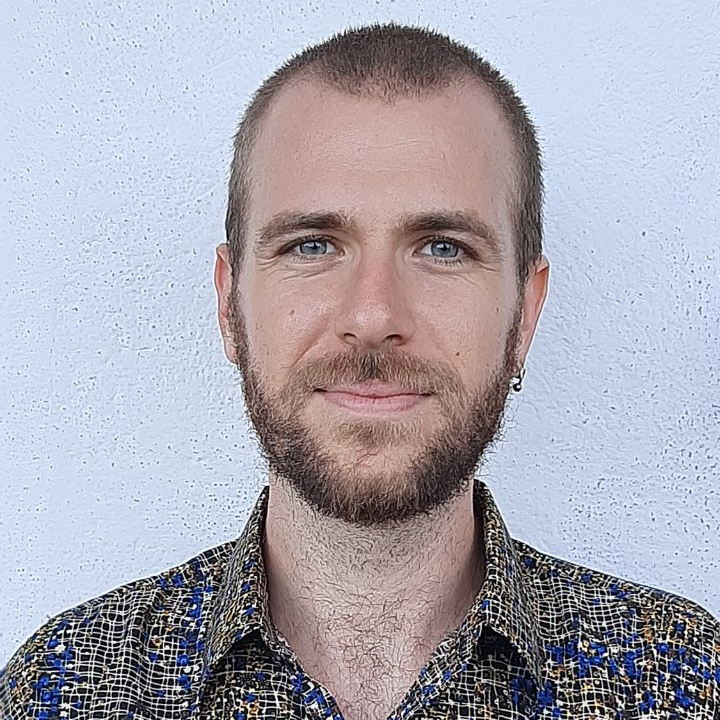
{"x":284,"y":322}
{"x":479,"y":345}
{"x":469,"y":325}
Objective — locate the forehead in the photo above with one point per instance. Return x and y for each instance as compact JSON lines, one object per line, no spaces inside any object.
{"x":322,"y":149}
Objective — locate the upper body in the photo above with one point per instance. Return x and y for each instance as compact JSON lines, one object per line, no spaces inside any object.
{"x":379,"y":290}
{"x":543,"y":639}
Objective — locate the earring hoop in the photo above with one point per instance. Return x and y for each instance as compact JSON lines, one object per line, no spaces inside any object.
{"x":517,"y":381}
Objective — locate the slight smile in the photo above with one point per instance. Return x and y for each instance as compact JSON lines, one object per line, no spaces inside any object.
{"x":372,"y":398}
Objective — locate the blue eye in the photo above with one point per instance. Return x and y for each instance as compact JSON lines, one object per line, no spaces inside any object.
{"x":446,"y":252}
{"x":444,"y":249}
{"x":313,"y":247}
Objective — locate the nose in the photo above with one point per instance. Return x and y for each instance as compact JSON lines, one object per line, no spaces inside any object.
{"x":375,"y":309}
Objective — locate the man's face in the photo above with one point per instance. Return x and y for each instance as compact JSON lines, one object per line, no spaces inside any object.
{"x":376,"y":318}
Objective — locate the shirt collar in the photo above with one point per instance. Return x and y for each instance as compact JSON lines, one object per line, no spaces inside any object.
{"x":503,"y":604}
{"x":242,"y":606}
{"x":506,"y":602}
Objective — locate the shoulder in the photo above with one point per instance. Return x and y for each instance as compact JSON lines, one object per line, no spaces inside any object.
{"x":607,"y":625}
{"x":594,"y":594}
{"x":68,"y":656}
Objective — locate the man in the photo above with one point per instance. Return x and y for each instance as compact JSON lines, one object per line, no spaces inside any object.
{"x":379,"y":292}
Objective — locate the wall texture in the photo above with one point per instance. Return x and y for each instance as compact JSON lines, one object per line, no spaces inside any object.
{"x":124,"y":446}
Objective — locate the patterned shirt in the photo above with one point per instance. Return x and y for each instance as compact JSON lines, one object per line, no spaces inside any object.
{"x":543,"y":639}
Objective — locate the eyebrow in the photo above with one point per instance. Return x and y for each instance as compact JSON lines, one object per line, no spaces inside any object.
{"x":454,"y":221}
{"x":287,"y":223}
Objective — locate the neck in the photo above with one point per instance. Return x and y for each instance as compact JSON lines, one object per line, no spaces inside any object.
{"x":336,"y":590}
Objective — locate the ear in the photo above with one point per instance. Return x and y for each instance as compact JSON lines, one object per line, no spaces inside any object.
{"x":533,"y":300}
{"x":223,"y":287}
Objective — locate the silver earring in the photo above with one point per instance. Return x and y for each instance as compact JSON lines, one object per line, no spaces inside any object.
{"x":517,"y":381}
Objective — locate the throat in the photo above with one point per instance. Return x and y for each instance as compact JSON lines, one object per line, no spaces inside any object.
{"x":367,"y":681}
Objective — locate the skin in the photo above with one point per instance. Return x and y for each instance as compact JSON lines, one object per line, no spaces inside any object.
{"x":363,"y":605}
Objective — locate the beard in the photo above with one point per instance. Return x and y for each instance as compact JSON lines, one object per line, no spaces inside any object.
{"x":367,"y":488}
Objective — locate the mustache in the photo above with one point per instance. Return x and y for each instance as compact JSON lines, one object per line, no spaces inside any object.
{"x":412,"y":374}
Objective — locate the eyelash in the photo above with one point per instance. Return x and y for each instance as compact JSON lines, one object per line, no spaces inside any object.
{"x":449,"y":262}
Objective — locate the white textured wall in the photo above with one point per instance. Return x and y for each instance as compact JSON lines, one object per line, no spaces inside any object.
{"x":124,"y":449}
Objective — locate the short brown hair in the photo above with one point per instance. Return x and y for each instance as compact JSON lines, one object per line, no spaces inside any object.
{"x":388,"y":61}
